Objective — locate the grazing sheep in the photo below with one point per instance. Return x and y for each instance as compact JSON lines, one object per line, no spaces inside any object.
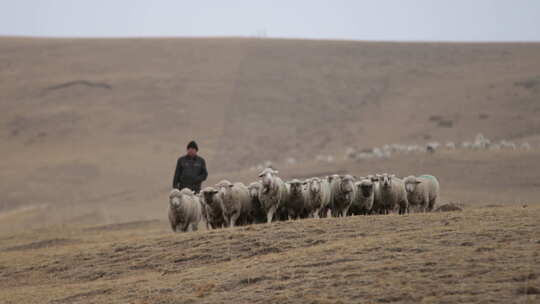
{"x":466,"y":145}
{"x":342,"y":194}
{"x":272,"y":193}
{"x":481,"y":142}
{"x":422,"y":191}
{"x":508,"y":145}
{"x":393,"y":194}
{"x":212,"y":202}
{"x":236,"y":203}
{"x":295,"y":203}
{"x":185,"y":210}
{"x":258,"y":214}
{"x":363,"y":199}
{"x":318,"y":197}
{"x":495,"y":147}
{"x":525,"y":146}
{"x":432,"y":147}
{"x":350,"y":153}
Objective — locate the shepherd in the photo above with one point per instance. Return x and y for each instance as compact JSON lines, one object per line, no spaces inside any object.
{"x":190,"y":170}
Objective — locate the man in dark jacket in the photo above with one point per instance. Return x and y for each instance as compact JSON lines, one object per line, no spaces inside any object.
{"x":190,"y":170}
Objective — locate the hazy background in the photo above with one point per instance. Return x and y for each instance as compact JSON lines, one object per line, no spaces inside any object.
{"x":459,"y":20}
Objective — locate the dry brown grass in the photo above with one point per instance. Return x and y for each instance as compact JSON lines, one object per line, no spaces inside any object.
{"x":480,"y":255}
{"x":90,"y":130}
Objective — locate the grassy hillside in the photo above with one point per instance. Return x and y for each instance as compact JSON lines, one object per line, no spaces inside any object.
{"x":87,"y":125}
{"x":90,"y":130}
{"x":482,"y":255}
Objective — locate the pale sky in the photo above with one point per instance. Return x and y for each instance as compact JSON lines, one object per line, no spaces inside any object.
{"x":402,"y":20}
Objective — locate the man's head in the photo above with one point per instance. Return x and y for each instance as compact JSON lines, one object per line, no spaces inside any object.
{"x":192,"y":148}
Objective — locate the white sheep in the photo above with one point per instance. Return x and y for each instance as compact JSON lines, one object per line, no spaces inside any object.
{"x":508,"y":145}
{"x":481,"y":142}
{"x":392,"y":193}
{"x":377,"y":207}
{"x":236,"y":203}
{"x":342,"y":194}
{"x":432,"y":147}
{"x":466,"y":145}
{"x":422,"y":192}
{"x":364,"y":196}
{"x":185,"y":210}
{"x":272,"y":193}
{"x":318,"y":197}
{"x":495,"y":147}
{"x":525,"y":146}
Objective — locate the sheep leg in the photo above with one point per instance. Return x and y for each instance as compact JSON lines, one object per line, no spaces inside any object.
{"x":233,"y":220}
{"x":185,"y":227}
{"x":270,"y":214}
{"x":345,"y":211}
{"x":290,"y":214}
{"x":194,"y":227}
{"x":431,"y":204}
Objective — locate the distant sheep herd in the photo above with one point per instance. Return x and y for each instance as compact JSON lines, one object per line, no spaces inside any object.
{"x":234,"y":204}
{"x":480,"y":142}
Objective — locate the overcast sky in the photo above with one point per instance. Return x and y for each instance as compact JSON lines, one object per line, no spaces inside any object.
{"x":442,"y":20}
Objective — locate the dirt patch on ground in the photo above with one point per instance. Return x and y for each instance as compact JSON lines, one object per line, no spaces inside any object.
{"x":42,"y":244}
{"x":450,"y":207}
{"x":123,"y":226}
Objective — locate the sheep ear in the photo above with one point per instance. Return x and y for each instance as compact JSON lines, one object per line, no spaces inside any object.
{"x":230,"y":186}
{"x":417,"y":181}
{"x":261,"y":174}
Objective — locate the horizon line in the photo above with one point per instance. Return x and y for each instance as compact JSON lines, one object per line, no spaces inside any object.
{"x":449,"y":41}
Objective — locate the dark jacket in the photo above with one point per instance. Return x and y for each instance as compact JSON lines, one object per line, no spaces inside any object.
{"x":190,"y":173}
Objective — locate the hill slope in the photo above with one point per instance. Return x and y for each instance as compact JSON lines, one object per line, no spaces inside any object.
{"x":95,"y":123}
{"x":480,"y":255}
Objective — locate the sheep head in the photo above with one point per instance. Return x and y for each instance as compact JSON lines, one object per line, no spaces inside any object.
{"x":253,"y":189}
{"x":296,"y":186}
{"x":176,"y":197}
{"x":386,"y":180}
{"x":347,"y":184}
{"x":267,"y":176}
{"x":209,"y":194}
{"x":410,"y":183}
{"x":365,"y":187}
{"x":315,"y":185}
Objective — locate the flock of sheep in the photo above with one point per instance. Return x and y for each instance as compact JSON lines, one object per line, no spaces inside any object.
{"x":479,"y":143}
{"x":231,"y":204}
